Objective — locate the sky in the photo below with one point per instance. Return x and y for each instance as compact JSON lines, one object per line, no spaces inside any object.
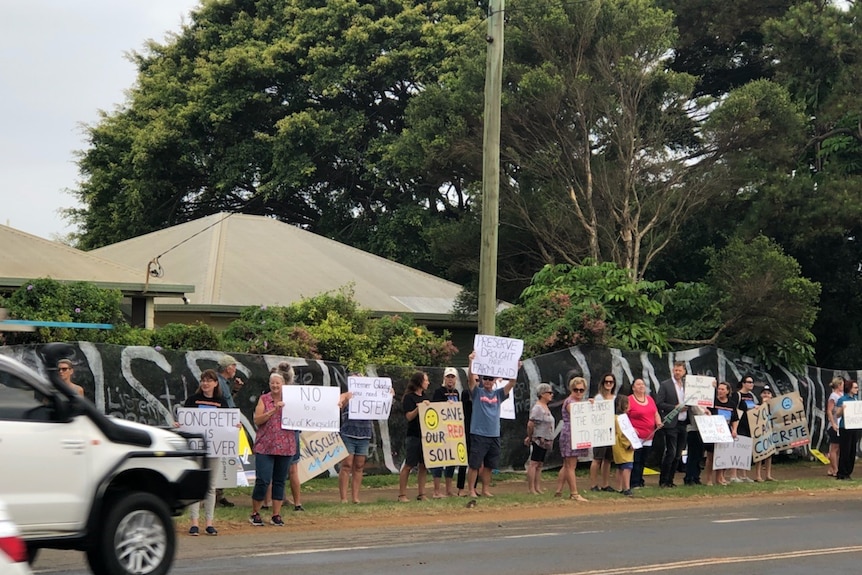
{"x":61,"y":61}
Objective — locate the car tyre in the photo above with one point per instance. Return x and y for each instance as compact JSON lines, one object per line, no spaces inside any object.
{"x":136,"y":537}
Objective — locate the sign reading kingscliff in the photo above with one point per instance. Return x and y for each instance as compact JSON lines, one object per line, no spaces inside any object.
{"x":310,"y":408}
{"x":496,"y":356}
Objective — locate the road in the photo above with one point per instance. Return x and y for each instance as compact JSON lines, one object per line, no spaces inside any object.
{"x":800,"y":535}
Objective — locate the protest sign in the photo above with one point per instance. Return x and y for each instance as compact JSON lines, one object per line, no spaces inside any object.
{"x":444,"y":439}
{"x":852,"y":414}
{"x":220,"y":428}
{"x":733,"y":455}
{"x":507,"y":407}
{"x":227,"y":471}
{"x":790,"y":426}
{"x":319,"y":451}
{"x":699,"y":390}
{"x":310,"y":408}
{"x":496,"y":356}
{"x":713,"y":428}
{"x":372,"y":397}
{"x":592,"y":424}
{"x":629,"y":431}
{"x":760,"y":424}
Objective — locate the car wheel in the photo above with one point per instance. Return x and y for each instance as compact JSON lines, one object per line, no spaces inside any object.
{"x":136,"y":538}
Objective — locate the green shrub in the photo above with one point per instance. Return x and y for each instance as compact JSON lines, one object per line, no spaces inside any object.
{"x":180,"y":336}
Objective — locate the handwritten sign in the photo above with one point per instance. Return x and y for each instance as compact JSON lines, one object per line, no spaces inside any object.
{"x":713,"y":428}
{"x":372,"y":397}
{"x":227,"y":471}
{"x":699,"y":390}
{"x":790,"y":426}
{"x":592,"y":424}
{"x":444,"y":439}
{"x":733,"y":455}
{"x":220,"y":428}
{"x":507,"y":407}
{"x":310,"y":408}
{"x":760,"y":424}
{"x":852,"y":414}
{"x":319,"y":451}
{"x":629,"y":431}
{"x":496,"y":356}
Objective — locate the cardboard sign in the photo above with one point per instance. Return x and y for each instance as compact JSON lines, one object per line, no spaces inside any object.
{"x":713,"y":428}
{"x":592,"y":424}
{"x":734,"y":455}
{"x":699,"y":390}
{"x":790,"y":426}
{"x":760,"y":424}
{"x":444,"y":438}
{"x":629,"y":431}
{"x":319,"y":451}
{"x":227,"y":471}
{"x":852,"y":414}
{"x":372,"y":398}
{"x":310,"y":408}
{"x":496,"y":356}
{"x":220,"y":428}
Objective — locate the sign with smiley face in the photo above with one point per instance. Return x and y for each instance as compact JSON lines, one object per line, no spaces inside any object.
{"x":444,"y":441}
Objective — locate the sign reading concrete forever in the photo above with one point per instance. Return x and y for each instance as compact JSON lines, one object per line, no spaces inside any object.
{"x":372,"y":397}
{"x":444,"y":440}
{"x":310,"y":408}
{"x":220,"y":428}
{"x":496,"y":356}
{"x":593,"y":424}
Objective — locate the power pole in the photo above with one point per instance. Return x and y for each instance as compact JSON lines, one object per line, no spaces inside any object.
{"x":491,"y":170}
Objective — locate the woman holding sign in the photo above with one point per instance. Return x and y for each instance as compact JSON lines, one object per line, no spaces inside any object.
{"x":723,"y":405}
{"x":849,"y":438}
{"x":413,"y":397}
{"x":578,"y":390}
{"x":602,"y":456}
{"x":644,"y":416}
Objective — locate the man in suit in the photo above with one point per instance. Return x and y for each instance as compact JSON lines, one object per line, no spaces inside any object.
{"x":671,"y":393}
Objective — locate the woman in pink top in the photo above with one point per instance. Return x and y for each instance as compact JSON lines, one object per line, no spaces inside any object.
{"x":644,"y":416}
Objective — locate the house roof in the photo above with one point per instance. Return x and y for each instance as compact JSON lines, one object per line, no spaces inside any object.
{"x":25,"y":257}
{"x":243,"y":260}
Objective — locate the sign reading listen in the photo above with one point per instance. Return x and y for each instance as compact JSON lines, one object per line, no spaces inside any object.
{"x":372,"y":397}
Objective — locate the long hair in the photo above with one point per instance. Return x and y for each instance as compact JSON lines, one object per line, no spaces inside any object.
{"x":211,"y":374}
{"x":415,"y":382}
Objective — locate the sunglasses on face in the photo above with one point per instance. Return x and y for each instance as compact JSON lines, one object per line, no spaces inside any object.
{"x":609,"y":381}
{"x":579,"y":390}
{"x":65,"y":369}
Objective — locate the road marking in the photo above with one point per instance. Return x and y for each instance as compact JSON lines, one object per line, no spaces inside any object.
{"x":744,"y":519}
{"x":719,"y":561}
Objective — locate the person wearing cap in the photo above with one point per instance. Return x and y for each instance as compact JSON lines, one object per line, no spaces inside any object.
{"x":66,"y":369}
{"x":229,"y":382}
{"x":540,"y":436}
{"x":765,"y":464}
{"x":448,"y":392}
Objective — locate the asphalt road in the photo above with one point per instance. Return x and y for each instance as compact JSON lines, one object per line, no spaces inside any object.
{"x":799,"y":535}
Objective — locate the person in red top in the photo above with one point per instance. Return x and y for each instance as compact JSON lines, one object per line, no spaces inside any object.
{"x":274,"y":449}
{"x":644,"y":416}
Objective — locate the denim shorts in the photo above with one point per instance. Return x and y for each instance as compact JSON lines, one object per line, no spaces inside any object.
{"x":356,"y":446}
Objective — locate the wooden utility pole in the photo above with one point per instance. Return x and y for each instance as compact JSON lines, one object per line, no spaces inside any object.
{"x":491,"y":170}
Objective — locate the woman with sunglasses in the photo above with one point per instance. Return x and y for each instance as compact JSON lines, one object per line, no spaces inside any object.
{"x":578,"y":391}
{"x":602,"y":456}
{"x":540,"y":436}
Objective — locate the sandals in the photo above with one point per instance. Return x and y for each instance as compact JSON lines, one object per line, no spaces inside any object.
{"x":558,"y":494}
{"x":402,"y":499}
{"x":421,"y":497}
{"x":577,"y":497}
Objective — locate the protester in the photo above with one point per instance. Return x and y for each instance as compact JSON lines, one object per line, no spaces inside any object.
{"x":286,"y":371}
{"x":644,"y":416}
{"x":274,"y":449}
{"x":230,"y":384}
{"x":764,"y":464}
{"x":484,"y":451}
{"x":208,"y":395}
{"x":837,"y":386}
{"x":540,"y":436}
{"x":723,"y":405}
{"x":413,"y":456}
{"x":745,"y":400}
{"x":670,"y":394}
{"x":566,"y":476}
{"x":602,"y":456}
{"x":622,"y":450}
{"x":448,"y":392}
{"x":849,"y":438}
{"x":66,"y":369}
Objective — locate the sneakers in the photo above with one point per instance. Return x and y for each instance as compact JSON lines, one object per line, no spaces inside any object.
{"x":609,"y":489}
{"x":298,"y":508}
{"x":224,"y":502}
{"x":746,"y":480}
{"x":211,"y":530}
{"x":256,"y":520}
{"x":276,"y":520}
{"x":595,"y":488}
{"x":627,"y":493}
{"x":735,"y":480}
{"x":194,"y":531}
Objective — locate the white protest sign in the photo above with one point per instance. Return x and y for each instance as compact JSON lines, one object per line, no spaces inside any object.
{"x":372,"y":397}
{"x":226,"y":471}
{"x":699,"y":390}
{"x":713,"y":428}
{"x":496,"y":356}
{"x":592,"y":424}
{"x":507,"y":408}
{"x":220,"y":428}
{"x":734,"y":455}
{"x":629,"y":431}
{"x":852,"y":414}
{"x":310,"y":408}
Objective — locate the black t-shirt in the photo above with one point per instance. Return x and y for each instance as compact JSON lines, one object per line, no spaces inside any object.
{"x":408,"y":404}
{"x":443,"y":394}
{"x":727,"y":409}
{"x":200,"y":400}
{"x":746,"y":401}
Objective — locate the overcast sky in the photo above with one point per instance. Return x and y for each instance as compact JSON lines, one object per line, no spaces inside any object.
{"x":61,"y":61}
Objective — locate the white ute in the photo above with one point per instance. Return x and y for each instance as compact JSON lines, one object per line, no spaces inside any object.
{"x":76,"y":479}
